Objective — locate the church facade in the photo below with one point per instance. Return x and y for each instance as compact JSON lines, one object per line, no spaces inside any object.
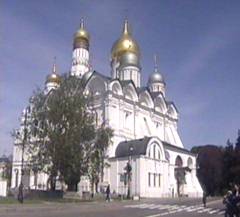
{"x":144,"y":123}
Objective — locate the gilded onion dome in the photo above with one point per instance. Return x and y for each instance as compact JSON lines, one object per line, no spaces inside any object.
{"x":53,"y":77}
{"x":81,"y":37}
{"x":125,"y":44}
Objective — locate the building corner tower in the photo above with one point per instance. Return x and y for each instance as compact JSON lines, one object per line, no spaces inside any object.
{"x":80,"y":55}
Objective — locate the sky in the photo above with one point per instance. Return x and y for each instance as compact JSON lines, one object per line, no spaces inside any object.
{"x":198,"y":44}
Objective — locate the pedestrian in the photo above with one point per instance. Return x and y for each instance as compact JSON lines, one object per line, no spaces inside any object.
{"x":20,"y":193}
{"x":235,"y":200}
{"x":204,"y":199}
{"x":108,"y":193}
{"x":227,"y":200}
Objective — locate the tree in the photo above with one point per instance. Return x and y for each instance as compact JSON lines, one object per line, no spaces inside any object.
{"x":228,"y":163}
{"x":237,"y":145}
{"x":98,"y":155}
{"x":210,"y":167}
{"x":235,"y":170}
{"x":64,"y":132}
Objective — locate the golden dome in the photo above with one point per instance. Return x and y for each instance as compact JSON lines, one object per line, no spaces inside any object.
{"x":81,"y":37}
{"x":53,"y":77}
{"x":125,"y":44}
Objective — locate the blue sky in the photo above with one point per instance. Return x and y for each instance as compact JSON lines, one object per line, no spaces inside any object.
{"x":198,"y":44}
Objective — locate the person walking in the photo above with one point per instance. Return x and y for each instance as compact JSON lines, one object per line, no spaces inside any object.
{"x":228,"y":201}
{"x":108,"y":193}
{"x":204,"y":199}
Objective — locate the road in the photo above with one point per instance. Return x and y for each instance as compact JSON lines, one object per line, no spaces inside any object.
{"x":185,"y":207}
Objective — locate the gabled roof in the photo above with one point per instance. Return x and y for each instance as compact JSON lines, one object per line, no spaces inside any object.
{"x":127,"y":82}
{"x":171,"y":147}
{"x":88,"y":75}
{"x":173,"y":104}
{"x":139,"y":147}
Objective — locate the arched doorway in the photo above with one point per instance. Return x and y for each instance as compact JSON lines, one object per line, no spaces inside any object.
{"x":179,"y":175}
{"x":178,"y":161}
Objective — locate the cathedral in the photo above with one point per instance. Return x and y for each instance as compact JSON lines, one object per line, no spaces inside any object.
{"x":144,"y":122}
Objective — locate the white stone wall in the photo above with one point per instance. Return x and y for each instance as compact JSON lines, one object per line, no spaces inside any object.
{"x":3,"y":188}
{"x":129,"y":121}
{"x":141,"y":167}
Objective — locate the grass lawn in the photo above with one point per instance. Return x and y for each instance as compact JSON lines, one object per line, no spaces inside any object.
{"x":12,"y":200}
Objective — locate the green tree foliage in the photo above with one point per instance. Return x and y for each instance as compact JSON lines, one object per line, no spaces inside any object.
{"x":64,"y":132}
{"x":210,"y":167}
{"x":237,"y":146}
{"x":235,"y":170}
{"x":228,"y":164}
{"x":98,"y":155}
{"x":218,"y":167}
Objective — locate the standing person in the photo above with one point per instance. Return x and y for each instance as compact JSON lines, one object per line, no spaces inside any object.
{"x":20,"y":193}
{"x":204,"y":199}
{"x":227,"y":200}
{"x":108,"y":193}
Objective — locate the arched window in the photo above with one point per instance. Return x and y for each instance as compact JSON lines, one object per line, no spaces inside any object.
{"x":154,"y":151}
{"x":178,"y":161}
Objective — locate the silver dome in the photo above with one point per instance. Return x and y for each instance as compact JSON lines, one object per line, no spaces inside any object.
{"x":156,"y":77}
{"x":129,"y":59}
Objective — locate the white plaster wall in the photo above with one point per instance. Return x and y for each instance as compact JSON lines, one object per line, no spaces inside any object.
{"x":141,"y":166}
{"x":192,"y":187}
{"x":139,"y":123}
{"x":3,"y":188}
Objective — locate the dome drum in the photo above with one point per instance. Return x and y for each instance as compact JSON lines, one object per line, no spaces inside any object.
{"x":81,"y":43}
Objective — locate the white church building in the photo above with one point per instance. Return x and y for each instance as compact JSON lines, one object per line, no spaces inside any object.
{"x":144,"y":122}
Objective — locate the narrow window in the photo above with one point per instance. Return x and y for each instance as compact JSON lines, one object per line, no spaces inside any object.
{"x":35,"y":179}
{"x":159,"y":180}
{"x":154,"y":151}
{"x":149,"y":179}
{"x":159,"y":155}
{"x":154,"y":180}
{"x":16,"y":180}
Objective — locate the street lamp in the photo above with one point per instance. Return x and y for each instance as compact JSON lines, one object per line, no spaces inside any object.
{"x":25,"y":132}
{"x":129,"y":171}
